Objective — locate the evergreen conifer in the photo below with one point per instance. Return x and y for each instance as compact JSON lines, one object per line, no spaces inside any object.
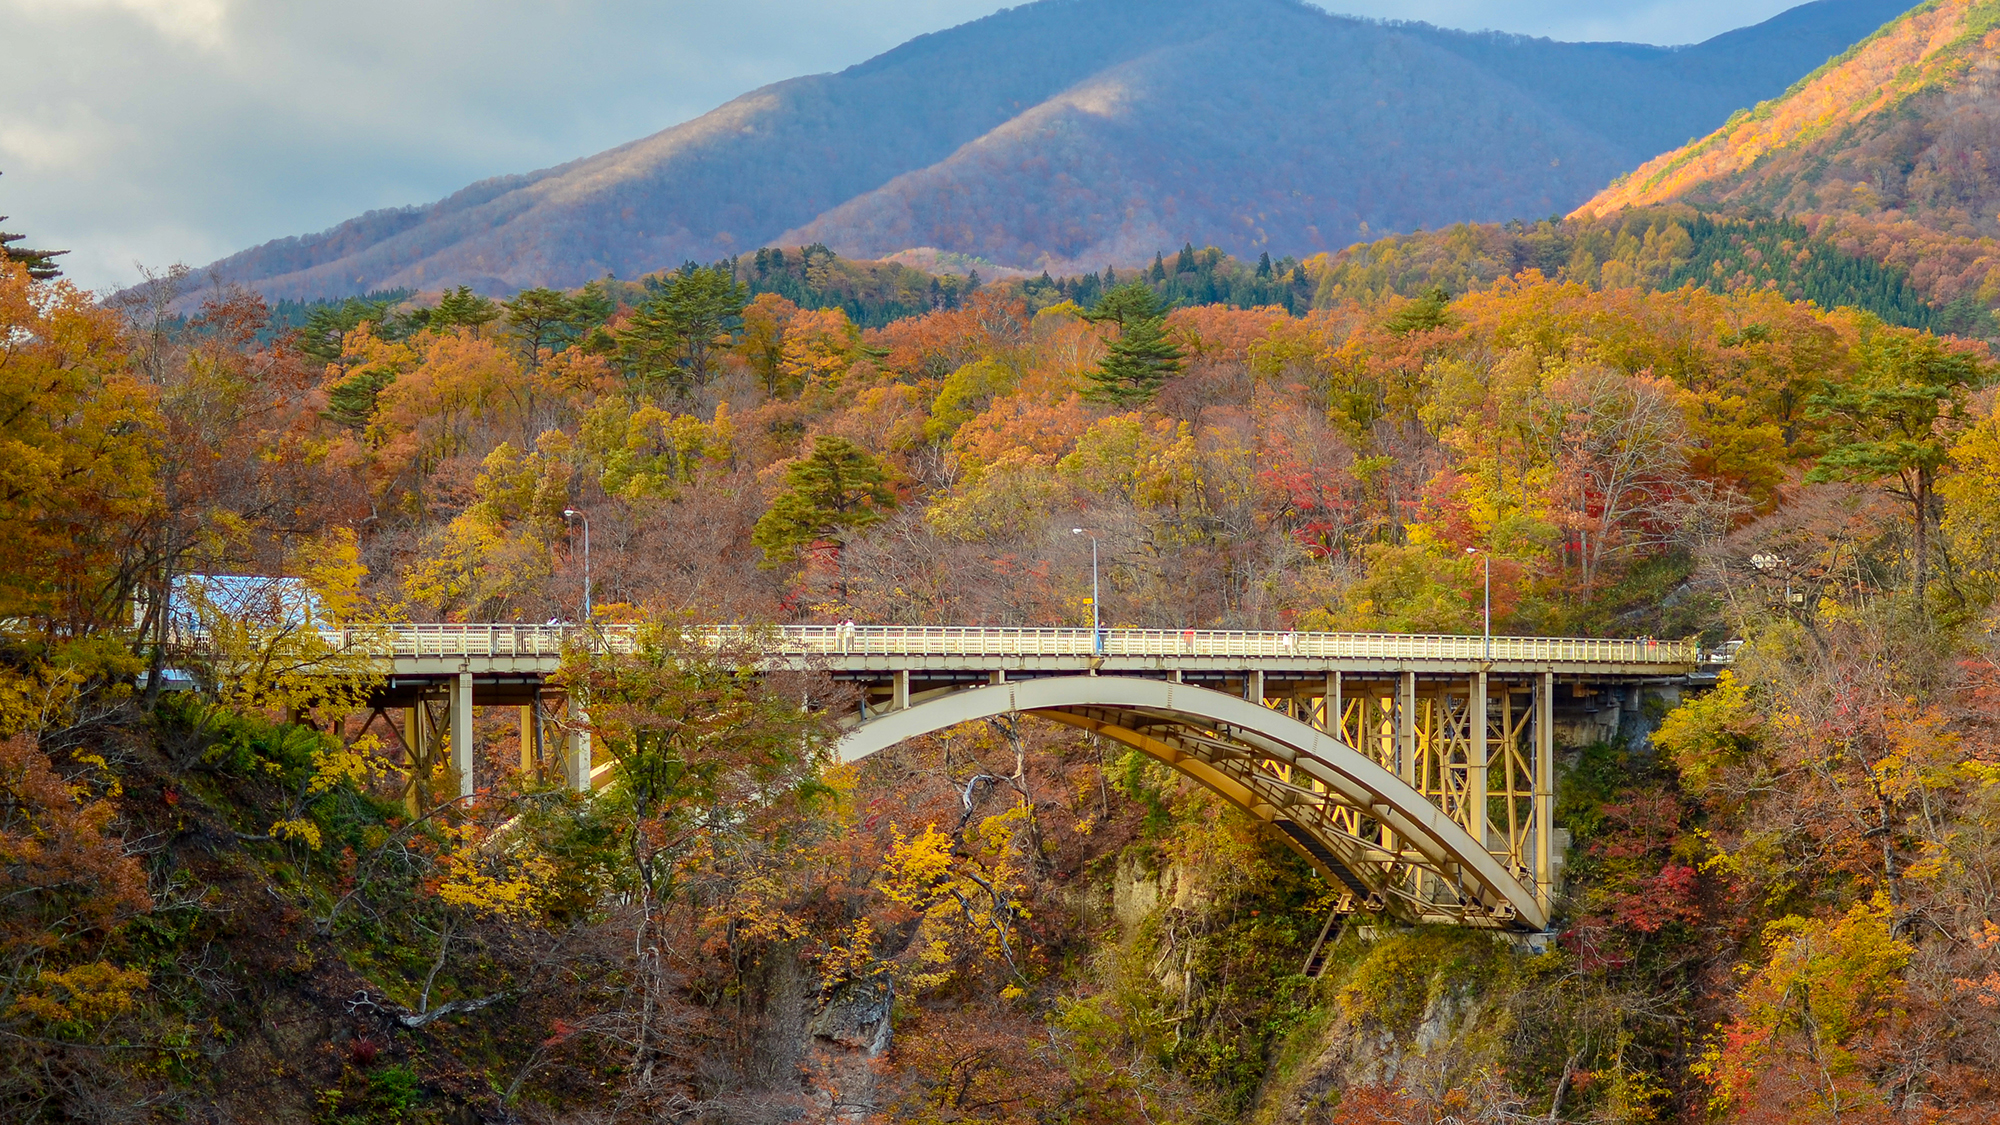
{"x":832,"y":492}
{"x":672,"y":339}
{"x":463,"y":307}
{"x":41,"y":263}
{"x":1426,"y":312}
{"x":1141,"y":359}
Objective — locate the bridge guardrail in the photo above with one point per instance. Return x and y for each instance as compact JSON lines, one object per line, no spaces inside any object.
{"x":542,"y":641}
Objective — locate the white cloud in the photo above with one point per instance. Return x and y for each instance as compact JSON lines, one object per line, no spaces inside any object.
{"x":199,"y":22}
{"x":74,"y":143}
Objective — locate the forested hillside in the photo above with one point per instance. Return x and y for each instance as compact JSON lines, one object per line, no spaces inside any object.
{"x":1659,"y":249}
{"x":227,"y":902}
{"x":1072,"y":134}
{"x":1894,"y":127}
{"x":1880,"y":154}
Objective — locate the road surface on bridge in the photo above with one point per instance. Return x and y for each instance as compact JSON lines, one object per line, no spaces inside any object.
{"x":418,"y":649}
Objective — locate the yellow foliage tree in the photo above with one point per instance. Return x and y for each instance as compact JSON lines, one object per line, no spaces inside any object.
{"x":75,"y":457}
{"x":446,"y":386}
{"x":1971,"y":517}
{"x":1800,"y":1037}
{"x":499,"y":551}
{"x":968,"y":905}
{"x":651,"y":452}
{"x":820,"y":345}
{"x":480,"y":875}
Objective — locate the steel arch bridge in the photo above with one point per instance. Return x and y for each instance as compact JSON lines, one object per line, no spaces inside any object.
{"x":1351,"y":816}
{"x":1416,"y":772}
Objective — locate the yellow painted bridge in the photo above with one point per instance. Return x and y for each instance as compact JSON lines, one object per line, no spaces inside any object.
{"x":1416,"y":772}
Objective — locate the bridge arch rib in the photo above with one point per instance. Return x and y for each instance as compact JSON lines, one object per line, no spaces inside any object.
{"x":1354,"y":820}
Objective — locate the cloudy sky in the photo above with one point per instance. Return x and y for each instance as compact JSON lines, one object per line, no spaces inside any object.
{"x":140,"y":133}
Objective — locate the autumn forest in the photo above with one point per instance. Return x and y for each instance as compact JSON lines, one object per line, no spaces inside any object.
{"x":1762,"y":414}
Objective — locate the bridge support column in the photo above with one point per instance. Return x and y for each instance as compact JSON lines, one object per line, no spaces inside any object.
{"x":576,"y":762}
{"x":1253,"y":687}
{"x":1336,"y":707}
{"x":461,"y":733}
{"x":527,"y":740}
{"x":899,"y":691}
{"x":1406,"y":728}
{"x":419,"y":747}
{"x":1545,"y":788}
{"x":1478,"y":754}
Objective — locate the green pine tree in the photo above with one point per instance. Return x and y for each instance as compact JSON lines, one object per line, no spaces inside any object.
{"x":1159,"y":271}
{"x":461,"y":307}
{"x":836,"y":490}
{"x":1185,"y":263}
{"x":676,"y":336}
{"x":540,"y":319}
{"x":351,"y":401}
{"x":1138,"y":363}
{"x":1127,"y":303}
{"x":1894,"y":422}
{"x":549,"y":320}
{"x":328,"y":324}
{"x":1264,"y":266}
{"x":41,"y":263}
{"x":1426,"y":312}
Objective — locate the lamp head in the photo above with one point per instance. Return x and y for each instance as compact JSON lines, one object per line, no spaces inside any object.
{"x":1076,"y":531}
{"x":571,"y":512}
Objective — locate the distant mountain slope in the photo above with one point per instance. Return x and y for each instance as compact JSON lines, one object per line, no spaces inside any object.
{"x":1086,"y":131}
{"x":1655,"y":249}
{"x":1904,"y":126}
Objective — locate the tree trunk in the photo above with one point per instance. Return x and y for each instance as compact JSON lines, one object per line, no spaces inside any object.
{"x":157,"y":624}
{"x":1922,"y":499}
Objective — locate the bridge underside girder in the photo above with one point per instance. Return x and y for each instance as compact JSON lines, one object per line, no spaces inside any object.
{"x":1415,"y":773}
{"x":428,"y":717}
{"x":1392,"y":831}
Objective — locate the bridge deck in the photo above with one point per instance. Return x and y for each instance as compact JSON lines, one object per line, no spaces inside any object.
{"x":487,"y":649}
{"x":1401,"y":766}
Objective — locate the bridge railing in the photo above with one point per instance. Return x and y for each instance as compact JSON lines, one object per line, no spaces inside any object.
{"x":974,"y":641}
{"x":543,"y":641}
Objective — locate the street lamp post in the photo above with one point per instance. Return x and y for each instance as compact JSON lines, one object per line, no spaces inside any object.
{"x":1488,"y":559}
{"x":572,"y":513}
{"x":1768,"y":563}
{"x":1096,"y":628}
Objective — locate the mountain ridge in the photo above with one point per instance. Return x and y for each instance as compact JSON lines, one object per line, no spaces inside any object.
{"x":1919,"y":96}
{"x":885,"y":155}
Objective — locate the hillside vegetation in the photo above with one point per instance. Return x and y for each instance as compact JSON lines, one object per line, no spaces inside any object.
{"x":246,"y":900}
{"x":1881,"y":154}
{"x":1898,"y":124}
{"x":1069,"y":135}
{"x":1664,"y":248}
